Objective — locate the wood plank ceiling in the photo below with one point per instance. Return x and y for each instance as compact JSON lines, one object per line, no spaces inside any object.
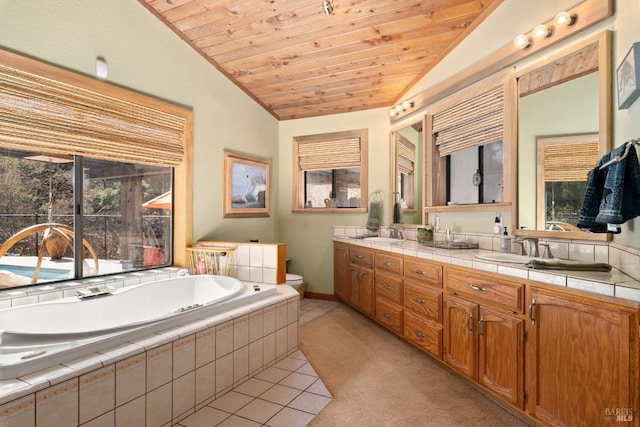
{"x":297,"y":62}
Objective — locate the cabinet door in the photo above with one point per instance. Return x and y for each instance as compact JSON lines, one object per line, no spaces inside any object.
{"x":367,"y":292}
{"x":460,"y":319}
{"x":354,"y":286}
{"x":581,"y":361}
{"x":500,"y":354}
{"x":340,"y":271}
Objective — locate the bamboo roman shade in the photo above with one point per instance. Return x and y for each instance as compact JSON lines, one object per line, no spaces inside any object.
{"x":406,"y":157}
{"x":327,"y":154}
{"x":569,"y":162}
{"x":474,"y":122}
{"x":42,"y":114}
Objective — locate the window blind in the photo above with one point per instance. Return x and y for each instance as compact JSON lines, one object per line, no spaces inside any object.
{"x":406,"y":156}
{"x":327,"y":154}
{"x":569,"y":162}
{"x":46,"y":115}
{"x":477,"y":121}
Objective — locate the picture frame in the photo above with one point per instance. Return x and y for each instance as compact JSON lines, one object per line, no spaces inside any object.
{"x":247,"y":186}
{"x":628,"y":78}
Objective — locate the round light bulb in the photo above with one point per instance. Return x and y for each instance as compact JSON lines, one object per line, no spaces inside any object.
{"x":522,"y":41}
{"x":541,"y":31}
{"x":393,"y":112}
{"x":407,"y":104}
{"x":564,"y":18}
{"x":398,"y":108}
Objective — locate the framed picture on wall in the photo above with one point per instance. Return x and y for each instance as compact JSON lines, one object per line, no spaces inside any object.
{"x":247,"y":186}
{"x":628,"y":78}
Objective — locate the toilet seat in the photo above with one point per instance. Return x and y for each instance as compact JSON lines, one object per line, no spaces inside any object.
{"x":294,"y":279}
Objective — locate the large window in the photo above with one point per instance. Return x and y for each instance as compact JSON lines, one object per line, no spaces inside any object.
{"x":123,"y":224}
{"x":330,"y":171}
{"x":92,"y":175}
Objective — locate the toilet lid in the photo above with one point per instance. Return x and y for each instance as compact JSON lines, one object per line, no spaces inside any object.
{"x":293,"y":278}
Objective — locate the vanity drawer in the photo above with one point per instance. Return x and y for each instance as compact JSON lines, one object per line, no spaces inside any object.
{"x":390,"y":263}
{"x":423,"y":301}
{"x":425,"y":335}
{"x":486,"y":288}
{"x":390,"y":315}
{"x":361,"y":256}
{"x":423,"y":271}
{"x":389,"y":287}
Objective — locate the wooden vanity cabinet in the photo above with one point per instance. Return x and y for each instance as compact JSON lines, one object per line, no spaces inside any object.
{"x":423,"y":305}
{"x":389,"y":291}
{"x":582,"y":359}
{"x":341,"y":271}
{"x":360,"y":281}
{"x":484,"y":331}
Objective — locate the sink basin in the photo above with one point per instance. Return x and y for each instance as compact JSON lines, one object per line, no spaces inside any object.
{"x":382,"y":240}
{"x":505,"y":257}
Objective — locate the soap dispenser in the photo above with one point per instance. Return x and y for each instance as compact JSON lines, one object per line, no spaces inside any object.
{"x":505,"y":241}
{"x":497,"y":227}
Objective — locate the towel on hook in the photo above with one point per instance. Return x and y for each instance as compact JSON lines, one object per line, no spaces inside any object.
{"x":375,"y":213}
{"x":613,"y":194}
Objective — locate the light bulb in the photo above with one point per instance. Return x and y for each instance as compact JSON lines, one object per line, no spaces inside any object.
{"x":541,"y":31}
{"x":407,"y":104}
{"x":393,"y":112}
{"x":564,"y":18}
{"x":399,"y":108}
{"x":522,"y":41}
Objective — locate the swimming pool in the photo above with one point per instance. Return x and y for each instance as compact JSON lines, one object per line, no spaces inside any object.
{"x":45,"y":273}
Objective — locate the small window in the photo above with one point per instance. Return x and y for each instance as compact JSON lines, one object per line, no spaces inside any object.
{"x":330,"y":171}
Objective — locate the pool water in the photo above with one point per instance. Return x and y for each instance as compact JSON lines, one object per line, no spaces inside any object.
{"x":45,"y":273}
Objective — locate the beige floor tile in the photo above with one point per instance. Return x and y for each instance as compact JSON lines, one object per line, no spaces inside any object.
{"x":299,"y":381}
{"x":280,"y":394}
{"x":273,"y":374}
{"x":205,"y":417}
{"x":290,"y":364}
{"x":319,"y":388}
{"x":254,"y":387}
{"x":259,"y":411}
{"x":231,"y":402}
{"x":307,"y":369}
{"x":298,"y":355}
{"x":309,"y":402}
{"x":235,"y":421}
{"x":290,"y":418}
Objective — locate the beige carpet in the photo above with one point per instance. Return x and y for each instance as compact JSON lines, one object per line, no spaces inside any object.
{"x":377,"y":379}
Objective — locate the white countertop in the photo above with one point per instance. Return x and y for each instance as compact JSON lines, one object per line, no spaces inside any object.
{"x":614,"y":283}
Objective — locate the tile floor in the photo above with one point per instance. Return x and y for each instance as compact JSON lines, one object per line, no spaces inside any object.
{"x":287,"y":394}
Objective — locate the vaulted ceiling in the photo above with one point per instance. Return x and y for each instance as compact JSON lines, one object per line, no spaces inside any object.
{"x":297,"y":62}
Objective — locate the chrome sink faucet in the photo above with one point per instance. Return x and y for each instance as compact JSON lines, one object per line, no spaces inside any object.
{"x":530,"y":246}
{"x":394,"y":233}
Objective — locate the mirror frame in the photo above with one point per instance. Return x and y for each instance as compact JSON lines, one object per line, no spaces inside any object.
{"x":393,"y":168}
{"x":605,"y":102}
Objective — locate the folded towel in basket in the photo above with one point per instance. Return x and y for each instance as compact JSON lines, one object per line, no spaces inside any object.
{"x":556,"y":264}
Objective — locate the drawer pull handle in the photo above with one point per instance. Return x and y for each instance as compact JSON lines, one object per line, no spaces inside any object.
{"x":420,"y":272}
{"x":420,"y":301}
{"x":386,"y":264}
{"x":477,"y":288}
{"x":512,"y":312}
{"x":386,"y":315}
{"x":419,"y":334}
{"x":386,"y":287}
{"x":359,"y":256}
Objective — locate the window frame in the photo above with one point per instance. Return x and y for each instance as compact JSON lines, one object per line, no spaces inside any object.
{"x":298,"y":175}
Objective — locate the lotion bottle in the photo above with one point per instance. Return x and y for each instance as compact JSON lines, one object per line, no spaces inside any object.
{"x":497,"y":226}
{"x":505,"y":241}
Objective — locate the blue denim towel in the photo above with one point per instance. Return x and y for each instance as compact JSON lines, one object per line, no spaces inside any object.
{"x":613,"y":194}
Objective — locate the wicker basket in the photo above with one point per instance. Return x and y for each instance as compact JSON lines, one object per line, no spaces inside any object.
{"x":210,"y":260}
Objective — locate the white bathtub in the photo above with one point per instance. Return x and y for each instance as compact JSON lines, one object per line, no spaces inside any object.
{"x":37,"y":336}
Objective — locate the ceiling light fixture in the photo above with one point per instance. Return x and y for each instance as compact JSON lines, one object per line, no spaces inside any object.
{"x":327,"y":6}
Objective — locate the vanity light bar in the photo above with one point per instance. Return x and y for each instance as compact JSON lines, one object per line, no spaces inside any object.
{"x":543,"y":31}
{"x":399,"y":108}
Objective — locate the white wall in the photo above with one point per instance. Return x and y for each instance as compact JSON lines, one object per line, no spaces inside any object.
{"x":144,"y":55}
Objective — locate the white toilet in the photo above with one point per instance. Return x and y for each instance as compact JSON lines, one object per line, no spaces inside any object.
{"x":296,"y":281}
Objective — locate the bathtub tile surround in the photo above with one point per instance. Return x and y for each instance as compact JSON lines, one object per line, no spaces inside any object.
{"x":622,"y":282}
{"x":171,"y":374}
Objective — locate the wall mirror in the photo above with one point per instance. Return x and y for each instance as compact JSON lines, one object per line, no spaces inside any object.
{"x":407,"y":145}
{"x":564,"y":115}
